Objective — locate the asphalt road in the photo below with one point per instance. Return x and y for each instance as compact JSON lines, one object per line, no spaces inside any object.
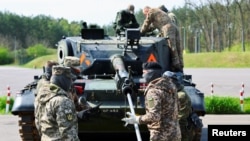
{"x":9,"y":130}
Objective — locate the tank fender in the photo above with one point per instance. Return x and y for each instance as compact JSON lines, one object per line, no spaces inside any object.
{"x":24,"y":102}
{"x":197,"y":100}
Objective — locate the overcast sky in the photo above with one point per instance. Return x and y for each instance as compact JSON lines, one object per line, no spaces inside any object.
{"x":93,"y":11}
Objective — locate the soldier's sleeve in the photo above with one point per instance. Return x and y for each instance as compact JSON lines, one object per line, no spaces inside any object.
{"x":67,"y":119}
{"x":134,"y":22}
{"x":146,"y":24}
{"x":153,"y":105}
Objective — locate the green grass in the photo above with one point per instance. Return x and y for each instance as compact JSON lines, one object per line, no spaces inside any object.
{"x":3,"y":100}
{"x":217,"y":60}
{"x":226,"y":105}
{"x":41,"y":61}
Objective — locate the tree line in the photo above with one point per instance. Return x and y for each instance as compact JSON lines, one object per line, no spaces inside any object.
{"x":204,"y":25}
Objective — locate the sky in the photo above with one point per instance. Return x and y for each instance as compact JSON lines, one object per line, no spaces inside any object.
{"x":102,"y":12}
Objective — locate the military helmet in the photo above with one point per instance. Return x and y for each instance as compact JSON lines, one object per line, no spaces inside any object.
{"x":61,"y":70}
{"x":170,"y":75}
{"x":71,"y":61}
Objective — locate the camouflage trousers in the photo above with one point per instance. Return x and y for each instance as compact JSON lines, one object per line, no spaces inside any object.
{"x":186,"y":133}
{"x":170,"y":31}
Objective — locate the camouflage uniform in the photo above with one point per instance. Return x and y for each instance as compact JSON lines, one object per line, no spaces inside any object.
{"x":185,"y":109}
{"x":125,"y":19}
{"x":42,"y":85}
{"x":58,"y":120}
{"x":161,"y":116}
{"x":42,"y":89}
{"x":158,"y":19}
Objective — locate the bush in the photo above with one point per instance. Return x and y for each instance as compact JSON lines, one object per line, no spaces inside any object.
{"x":5,"y":56}
{"x":3,"y":104}
{"x":36,"y":51}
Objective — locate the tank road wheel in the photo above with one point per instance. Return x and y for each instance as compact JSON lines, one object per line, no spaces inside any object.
{"x":27,"y":128}
{"x":64,"y":49}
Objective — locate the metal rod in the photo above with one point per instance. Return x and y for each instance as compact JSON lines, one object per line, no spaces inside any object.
{"x":137,"y":131}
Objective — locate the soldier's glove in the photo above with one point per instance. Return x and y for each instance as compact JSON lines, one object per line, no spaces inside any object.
{"x":131,"y":119}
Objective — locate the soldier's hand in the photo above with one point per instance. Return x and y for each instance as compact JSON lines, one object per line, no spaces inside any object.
{"x":131,"y":119}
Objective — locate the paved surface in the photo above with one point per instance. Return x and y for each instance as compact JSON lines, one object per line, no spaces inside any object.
{"x":9,"y":124}
{"x":226,"y":81}
{"x":16,"y":78}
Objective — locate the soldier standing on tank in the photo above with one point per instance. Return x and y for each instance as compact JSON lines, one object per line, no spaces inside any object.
{"x":161,"y":103}
{"x":125,"y":19}
{"x":58,"y":120}
{"x":158,"y":19}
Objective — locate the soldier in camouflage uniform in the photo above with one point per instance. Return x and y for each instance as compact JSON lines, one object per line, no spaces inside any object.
{"x":42,"y":85}
{"x":161,"y":103}
{"x":58,"y":120}
{"x":158,"y":19}
{"x":74,"y":63}
{"x":125,"y":19}
{"x":185,"y":107}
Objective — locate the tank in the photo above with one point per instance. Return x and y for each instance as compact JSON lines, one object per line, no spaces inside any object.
{"x":111,"y":68}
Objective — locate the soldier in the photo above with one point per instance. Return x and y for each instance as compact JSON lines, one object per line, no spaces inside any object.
{"x":125,"y":19}
{"x":158,"y":19}
{"x":161,"y":106}
{"x":185,"y":107}
{"x":74,"y":63}
{"x":84,"y":110}
{"x":42,"y":84}
{"x":58,"y":120}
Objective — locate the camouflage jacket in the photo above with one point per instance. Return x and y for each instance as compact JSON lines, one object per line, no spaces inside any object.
{"x":158,"y":19}
{"x":41,"y":91}
{"x":155,"y":19}
{"x":161,"y":103}
{"x":58,"y":120}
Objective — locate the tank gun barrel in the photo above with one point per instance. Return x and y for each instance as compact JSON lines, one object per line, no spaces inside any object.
{"x":124,"y":81}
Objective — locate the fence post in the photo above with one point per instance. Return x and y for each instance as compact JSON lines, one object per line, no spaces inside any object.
{"x":212,"y":88}
{"x":242,"y":97}
{"x":8,"y":100}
